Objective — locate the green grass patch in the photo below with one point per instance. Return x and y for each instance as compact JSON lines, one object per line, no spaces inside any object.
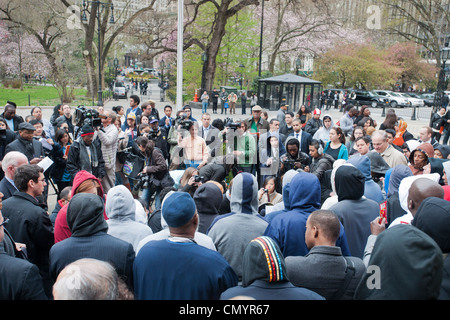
{"x":39,"y":96}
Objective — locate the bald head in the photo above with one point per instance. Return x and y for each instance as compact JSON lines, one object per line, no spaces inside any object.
{"x":420,"y":190}
{"x":322,"y":228}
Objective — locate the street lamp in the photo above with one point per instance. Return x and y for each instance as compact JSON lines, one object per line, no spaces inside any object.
{"x":103,"y":5}
{"x":298,"y":64}
{"x":116,"y":65}
{"x":204,"y":59}
{"x":241,"y":75}
{"x":261,"y":39}
{"x":161,"y":86}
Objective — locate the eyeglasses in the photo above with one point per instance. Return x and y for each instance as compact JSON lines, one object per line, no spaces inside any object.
{"x":4,"y":222}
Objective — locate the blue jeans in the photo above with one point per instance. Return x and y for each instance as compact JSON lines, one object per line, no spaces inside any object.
{"x":192,"y":163}
{"x":146,"y":194}
{"x":204,"y":107}
{"x":446,"y":135}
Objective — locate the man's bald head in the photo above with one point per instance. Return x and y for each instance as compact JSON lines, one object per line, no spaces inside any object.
{"x":420,"y":190}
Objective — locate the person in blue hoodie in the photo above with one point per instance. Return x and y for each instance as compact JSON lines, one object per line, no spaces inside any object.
{"x":232,"y":232}
{"x":372,"y":190}
{"x":288,"y":229}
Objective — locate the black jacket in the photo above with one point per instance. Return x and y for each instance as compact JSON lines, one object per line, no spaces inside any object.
{"x":16,"y":120}
{"x":59,"y":164}
{"x":20,"y":279}
{"x":73,"y":160}
{"x":31,"y":149}
{"x":7,"y":189}
{"x":29,"y":224}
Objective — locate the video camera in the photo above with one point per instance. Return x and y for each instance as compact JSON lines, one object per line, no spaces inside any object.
{"x":84,"y":116}
{"x":229,"y":123}
{"x":153,"y":135}
{"x":184,"y":122}
{"x":199,"y":178}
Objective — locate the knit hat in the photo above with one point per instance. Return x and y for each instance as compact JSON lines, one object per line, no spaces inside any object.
{"x":178,"y":209}
{"x":317,"y":111}
{"x":263,"y":260}
{"x":87,"y":130}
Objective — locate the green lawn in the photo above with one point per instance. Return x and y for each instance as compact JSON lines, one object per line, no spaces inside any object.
{"x":39,"y":96}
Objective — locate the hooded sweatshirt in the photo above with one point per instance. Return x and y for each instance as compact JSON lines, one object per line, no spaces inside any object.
{"x":393,"y":207}
{"x":208,"y":198}
{"x":120,"y":209}
{"x":324,"y":133}
{"x":403,"y":196}
{"x":355,"y":212}
{"x":371,"y":189}
{"x":283,"y":206}
{"x":265,"y":275}
{"x":232,"y":232}
{"x":62,"y":230}
{"x":89,"y":239}
{"x":288,"y":229}
{"x":428,"y":150}
{"x":409,"y":264}
{"x":433,"y":218}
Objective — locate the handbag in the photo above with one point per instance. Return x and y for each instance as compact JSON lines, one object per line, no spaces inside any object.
{"x":226,"y":105}
{"x":133,"y":166}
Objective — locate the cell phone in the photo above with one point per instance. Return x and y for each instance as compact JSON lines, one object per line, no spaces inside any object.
{"x":383,"y":211}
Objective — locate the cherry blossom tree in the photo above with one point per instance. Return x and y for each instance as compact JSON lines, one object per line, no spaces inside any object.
{"x":21,"y":54}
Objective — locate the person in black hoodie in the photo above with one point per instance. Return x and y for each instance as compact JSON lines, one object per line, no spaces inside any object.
{"x":208,"y":198}
{"x":433,"y":218}
{"x":90,"y":239}
{"x":406,"y":264}
{"x":353,"y":210}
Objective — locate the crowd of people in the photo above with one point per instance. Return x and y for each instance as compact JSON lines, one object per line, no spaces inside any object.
{"x":297,"y":207}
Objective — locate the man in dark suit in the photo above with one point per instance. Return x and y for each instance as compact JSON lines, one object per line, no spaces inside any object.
{"x":303,"y":137}
{"x":25,"y":144}
{"x":29,"y":223}
{"x":210,"y":134}
{"x":166,"y":122}
{"x":10,"y":163}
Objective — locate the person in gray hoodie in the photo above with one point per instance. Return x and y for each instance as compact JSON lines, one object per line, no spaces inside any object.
{"x":232,"y":232}
{"x":120,"y":209}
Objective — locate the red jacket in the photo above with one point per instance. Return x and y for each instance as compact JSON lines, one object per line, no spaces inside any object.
{"x":62,"y":230}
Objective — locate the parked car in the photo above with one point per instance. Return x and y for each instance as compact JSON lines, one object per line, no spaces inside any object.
{"x":428,"y":99}
{"x":364,"y":97}
{"x":119,"y":90}
{"x":395,"y":100}
{"x":415,"y":101}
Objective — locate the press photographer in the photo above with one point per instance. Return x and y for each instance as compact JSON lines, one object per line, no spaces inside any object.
{"x":155,"y":170}
{"x":159,"y":135}
{"x":108,"y":135}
